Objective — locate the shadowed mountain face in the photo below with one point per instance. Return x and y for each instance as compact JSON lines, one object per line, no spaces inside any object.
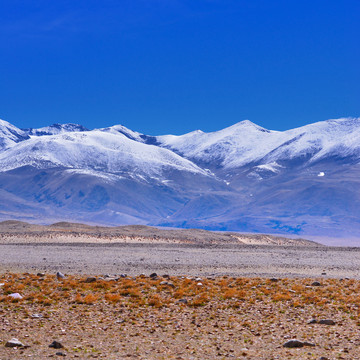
{"x":302,"y":181}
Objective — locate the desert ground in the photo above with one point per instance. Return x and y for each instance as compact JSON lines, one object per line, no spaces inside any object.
{"x":139,"y":292}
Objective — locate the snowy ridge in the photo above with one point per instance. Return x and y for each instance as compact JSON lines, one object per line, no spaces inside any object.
{"x":245,"y":143}
{"x":55,"y":129}
{"x":95,"y":150}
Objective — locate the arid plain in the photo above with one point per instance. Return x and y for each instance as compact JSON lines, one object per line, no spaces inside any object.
{"x":140,"y":292}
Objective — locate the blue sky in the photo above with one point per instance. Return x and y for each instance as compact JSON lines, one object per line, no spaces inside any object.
{"x":173,"y":66}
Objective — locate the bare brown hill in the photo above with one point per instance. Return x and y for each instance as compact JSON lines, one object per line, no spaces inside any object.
{"x":22,"y":232}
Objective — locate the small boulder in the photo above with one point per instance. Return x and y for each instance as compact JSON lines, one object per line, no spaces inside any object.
{"x":90,"y":280}
{"x":294,"y":343}
{"x":182,"y":301}
{"x":153,"y":275}
{"x":14,"y":343}
{"x":60,"y":275}
{"x":36,"y":316}
{"x":15,"y":296}
{"x":315,"y":283}
{"x":56,"y":345}
{"x":326,"y":322}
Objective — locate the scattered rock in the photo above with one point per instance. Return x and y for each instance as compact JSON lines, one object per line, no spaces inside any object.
{"x":323,"y":273}
{"x":90,"y":279}
{"x":182,"y":301}
{"x":15,"y":296}
{"x":60,"y":275}
{"x":166,"y":276}
{"x":294,"y":343}
{"x":323,"y":322}
{"x":168,"y":283}
{"x":153,"y":275}
{"x":199,"y":284}
{"x":59,"y":353}
{"x":315,"y":283}
{"x":324,"y":358}
{"x":36,"y":316}
{"x":56,"y":345}
{"x":274,"y":279}
{"x":40,"y":274}
{"x":123,"y":275}
{"x":14,"y":343}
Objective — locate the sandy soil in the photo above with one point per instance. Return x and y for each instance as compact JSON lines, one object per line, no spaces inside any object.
{"x":181,"y":259}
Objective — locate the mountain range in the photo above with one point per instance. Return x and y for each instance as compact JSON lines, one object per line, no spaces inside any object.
{"x":303,"y":181}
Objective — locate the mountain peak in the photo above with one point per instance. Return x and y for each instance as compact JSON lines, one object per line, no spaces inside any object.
{"x":246,"y":125}
{"x":10,"y":134}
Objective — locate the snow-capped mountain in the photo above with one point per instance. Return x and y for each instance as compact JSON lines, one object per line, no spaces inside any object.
{"x":244,"y":177}
{"x":245,"y":143}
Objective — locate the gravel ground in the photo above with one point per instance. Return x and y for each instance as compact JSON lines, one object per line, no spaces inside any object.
{"x":178,"y":318}
{"x":182,"y":259}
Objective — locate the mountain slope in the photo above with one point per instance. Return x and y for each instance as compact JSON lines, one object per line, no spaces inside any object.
{"x":10,"y":135}
{"x":95,"y":150}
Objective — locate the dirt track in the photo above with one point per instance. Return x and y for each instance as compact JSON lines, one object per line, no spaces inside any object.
{"x":181,"y":259}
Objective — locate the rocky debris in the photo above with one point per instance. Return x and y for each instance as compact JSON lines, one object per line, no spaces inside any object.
{"x":313,"y":321}
{"x":294,"y":343}
{"x":60,"y":275}
{"x":315,"y":283}
{"x":15,"y":296}
{"x":14,"y":342}
{"x":60,"y":353}
{"x":90,"y":280}
{"x":56,"y":345}
{"x":40,"y":274}
{"x":153,"y":276}
{"x":274,"y":280}
{"x":199,"y":284}
{"x":324,"y":358}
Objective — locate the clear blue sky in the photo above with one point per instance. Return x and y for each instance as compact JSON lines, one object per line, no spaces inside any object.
{"x":173,"y":66}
